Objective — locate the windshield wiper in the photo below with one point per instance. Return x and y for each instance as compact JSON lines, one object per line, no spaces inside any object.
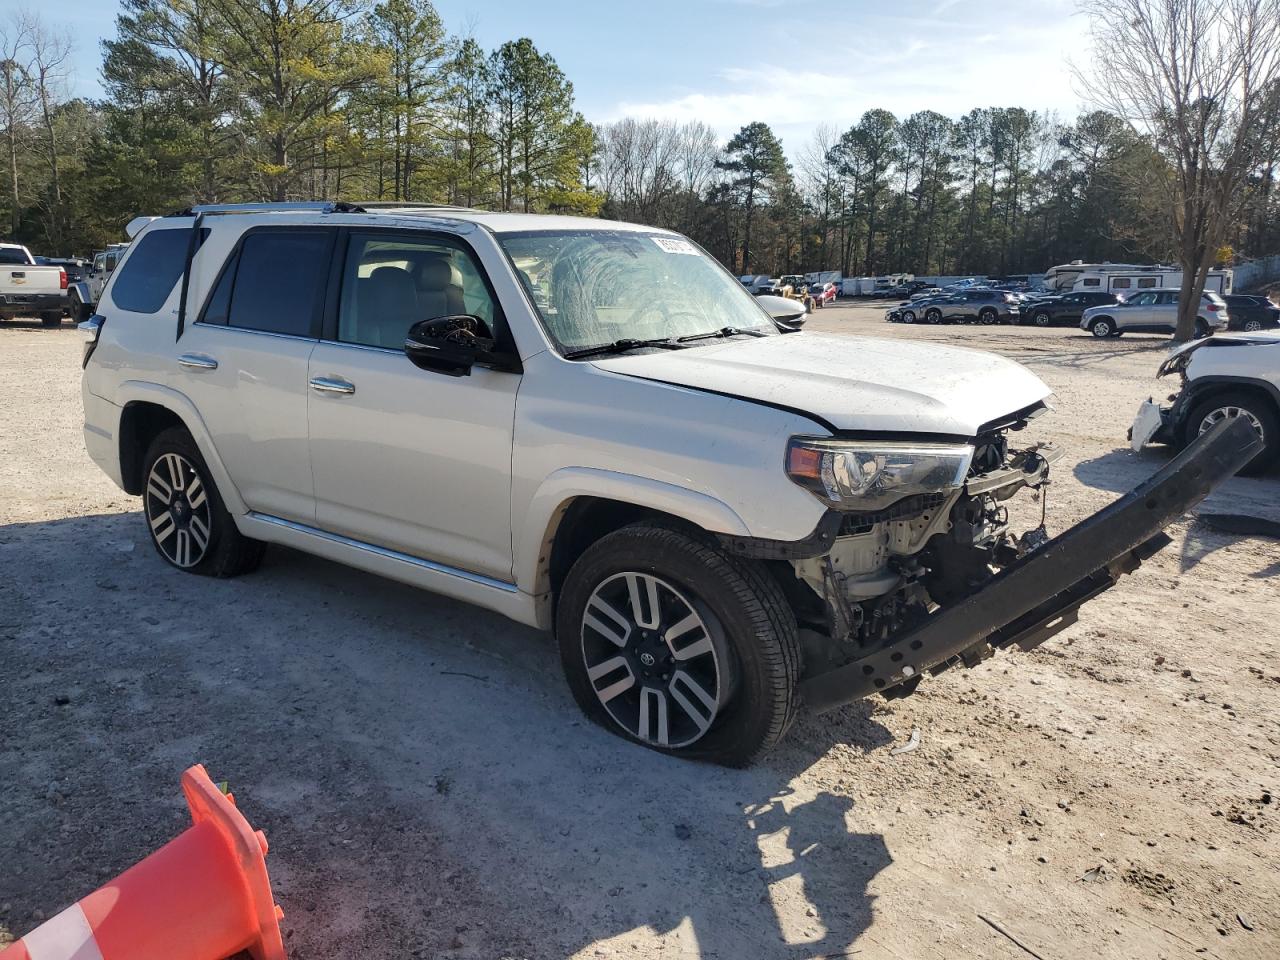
{"x":722,"y":332}
{"x":621,"y":346}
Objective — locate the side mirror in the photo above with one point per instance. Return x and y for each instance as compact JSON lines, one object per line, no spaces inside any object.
{"x":453,"y":345}
{"x":783,"y":309}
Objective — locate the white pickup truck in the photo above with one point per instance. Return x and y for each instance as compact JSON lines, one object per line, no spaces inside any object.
{"x":28,"y":290}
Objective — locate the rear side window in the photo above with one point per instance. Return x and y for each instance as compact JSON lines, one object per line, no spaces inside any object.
{"x":273,"y":283}
{"x":149,"y":275}
{"x":12,"y":255}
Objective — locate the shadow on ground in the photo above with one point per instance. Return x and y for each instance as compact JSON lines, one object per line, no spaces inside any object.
{"x":1241,"y":507}
{"x":426,"y":782}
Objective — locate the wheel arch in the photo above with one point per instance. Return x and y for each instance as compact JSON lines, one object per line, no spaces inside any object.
{"x":576,"y":506}
{"x":146,"y":410}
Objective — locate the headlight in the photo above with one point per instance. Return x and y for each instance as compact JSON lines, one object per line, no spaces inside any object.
{"x":850,"y":475}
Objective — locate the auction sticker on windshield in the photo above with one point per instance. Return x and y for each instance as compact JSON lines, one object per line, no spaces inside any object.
{"x":674,"y":245}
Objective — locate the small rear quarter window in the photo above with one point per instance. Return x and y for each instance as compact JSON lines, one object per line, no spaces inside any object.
{"x":151,"y":270}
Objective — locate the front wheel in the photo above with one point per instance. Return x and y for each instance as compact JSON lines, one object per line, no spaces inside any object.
{"x":1252,"y":326}
{"x":908,"y":316}
{"x":988,"y":317}
{"x":189,"y":525}
{"x":671,"y":643}
{"x":1102,"y":327}
{"x":1042,"y":319}
{"x":1228,"y":406}
{"x":933,"y":316}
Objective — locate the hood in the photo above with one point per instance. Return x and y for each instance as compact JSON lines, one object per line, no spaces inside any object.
{"x":1180,"y":355}
{"x":852,"y":383}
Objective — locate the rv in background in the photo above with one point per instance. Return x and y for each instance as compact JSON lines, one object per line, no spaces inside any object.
{"x":1125,"y":278}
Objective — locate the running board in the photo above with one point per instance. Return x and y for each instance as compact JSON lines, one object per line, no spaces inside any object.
{"x":1040,"y":594}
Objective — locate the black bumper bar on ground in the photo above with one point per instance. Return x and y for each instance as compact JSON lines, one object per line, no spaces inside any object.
{"x":1039,"y":594}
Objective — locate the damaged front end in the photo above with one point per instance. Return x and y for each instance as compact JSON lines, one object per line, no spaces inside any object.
{"x":935,"y":579}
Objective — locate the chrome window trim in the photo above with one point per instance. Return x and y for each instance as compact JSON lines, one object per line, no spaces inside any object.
{"x":413,"y":561}
{"x":260,"y":333}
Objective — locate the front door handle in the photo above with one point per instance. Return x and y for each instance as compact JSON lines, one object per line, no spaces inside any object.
{"x":197,"y":361}
{"x":332,"y":385}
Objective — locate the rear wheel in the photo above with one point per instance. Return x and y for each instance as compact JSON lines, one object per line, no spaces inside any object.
{"x":671,"y":643}
{"x":1252,"y":326}
{"x":190,"y":526}
{"x":1230,"y":405}
{"x":1102,"y":327}
{"x":1201,"y":329}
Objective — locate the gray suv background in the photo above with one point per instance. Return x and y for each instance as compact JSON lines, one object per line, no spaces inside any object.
{"x":1153,"y":311}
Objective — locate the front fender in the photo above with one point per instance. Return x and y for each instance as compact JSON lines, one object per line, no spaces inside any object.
{"x":141,"y":391}
{"x":557,"y":491}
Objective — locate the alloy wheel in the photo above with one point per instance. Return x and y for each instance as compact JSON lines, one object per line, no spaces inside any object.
{"x":1042,"y":319}
{"x":1230,"y":412}
{"x":651,"y":656}
{"x":177,"y":508}
{"x":908,"y":317}
{"x":1101,"y":328}
{"x":1252,"y":326}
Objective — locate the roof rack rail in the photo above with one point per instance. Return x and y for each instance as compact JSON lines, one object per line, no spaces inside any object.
{"x":283,"y":206}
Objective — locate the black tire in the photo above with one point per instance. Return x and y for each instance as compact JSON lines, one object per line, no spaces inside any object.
{"x":227,"y":552}
{"x":1263,"y":413}
{"x":1201,"y":329}
{"x":752,"y":628}
{"x":988,"y":317}
{"x":1042,"y":318}
{"x":933,"y":315}
{"x":51,"y":319}
{"x":1102,"y":327}
{"x":908,"y":316}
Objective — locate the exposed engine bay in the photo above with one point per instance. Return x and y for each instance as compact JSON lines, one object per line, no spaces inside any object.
{"x":887,"y":570}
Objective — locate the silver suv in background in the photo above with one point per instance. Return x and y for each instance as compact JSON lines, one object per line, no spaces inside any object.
{"x":1153,"y":311}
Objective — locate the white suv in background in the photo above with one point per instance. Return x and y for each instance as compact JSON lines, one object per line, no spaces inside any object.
{"x":593,"y":427}
{"x":1153,"y":311}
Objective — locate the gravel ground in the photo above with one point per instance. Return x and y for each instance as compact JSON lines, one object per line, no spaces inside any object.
{"x":429,"y":788}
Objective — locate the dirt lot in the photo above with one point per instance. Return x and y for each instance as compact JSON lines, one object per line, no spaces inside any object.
{"x":430,"y":790}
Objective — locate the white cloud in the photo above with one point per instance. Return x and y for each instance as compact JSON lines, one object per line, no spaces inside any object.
{"x":967,"y":66}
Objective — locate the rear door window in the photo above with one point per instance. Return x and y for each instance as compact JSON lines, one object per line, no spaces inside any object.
{"x":153,"y":268}
{"x":275,"y":283}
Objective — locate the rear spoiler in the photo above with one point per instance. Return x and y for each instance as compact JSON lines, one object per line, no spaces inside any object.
{"x":134,"y":226}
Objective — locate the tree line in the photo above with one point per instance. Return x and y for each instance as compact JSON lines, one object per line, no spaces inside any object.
{"x":240,"y":100}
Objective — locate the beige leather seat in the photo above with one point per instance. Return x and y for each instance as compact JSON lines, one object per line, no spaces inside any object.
{"x":439,"y":292}
{"x":386,"y":307}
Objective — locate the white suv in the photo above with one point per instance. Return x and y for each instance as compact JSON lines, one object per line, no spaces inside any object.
{"x":592,"y":427}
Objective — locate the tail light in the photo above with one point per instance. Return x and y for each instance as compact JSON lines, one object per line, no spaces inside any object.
{"x":62,"y":279}
{"x":1211,"y":307}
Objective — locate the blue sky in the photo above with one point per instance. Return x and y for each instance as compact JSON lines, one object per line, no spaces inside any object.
{"x":791,"y":63}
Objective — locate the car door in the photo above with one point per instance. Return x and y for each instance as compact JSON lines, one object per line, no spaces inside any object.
{"x":1164,"y":313}
{"x":407,"y":459}
{"x":1069,"y":307}
{"x":243,"y":363}
{"x":1136,"y":314}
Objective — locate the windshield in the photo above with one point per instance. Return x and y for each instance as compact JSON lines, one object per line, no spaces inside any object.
{"x":596,"y":287}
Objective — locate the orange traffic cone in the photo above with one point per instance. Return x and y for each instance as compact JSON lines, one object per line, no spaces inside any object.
{"x":202,"y":896}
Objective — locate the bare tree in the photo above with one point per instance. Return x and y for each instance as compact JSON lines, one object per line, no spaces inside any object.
{"x":17,"y":103}
{"x":50,"y":53}
{"x":1202,"y":79}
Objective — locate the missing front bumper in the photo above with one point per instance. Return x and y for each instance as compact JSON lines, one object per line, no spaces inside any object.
{"x":1040,"y":594}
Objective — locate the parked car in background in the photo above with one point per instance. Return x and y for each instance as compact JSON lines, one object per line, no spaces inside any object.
{"x":1068,"y":309}
{"x":1252,"y":313}
{"x":1222,"y":378}
{"x":758,"y":282}
{"x":822,"y":293}
{"x":28,"y":289}
{"x":981,"y":306}
{"x":923,"y":309}
{"x":83,"y":296}
{"x":1154,"y":311}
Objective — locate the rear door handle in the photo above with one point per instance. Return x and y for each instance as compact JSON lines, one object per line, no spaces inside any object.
{"x":197,"y":361}
{"x":332,"y":385}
